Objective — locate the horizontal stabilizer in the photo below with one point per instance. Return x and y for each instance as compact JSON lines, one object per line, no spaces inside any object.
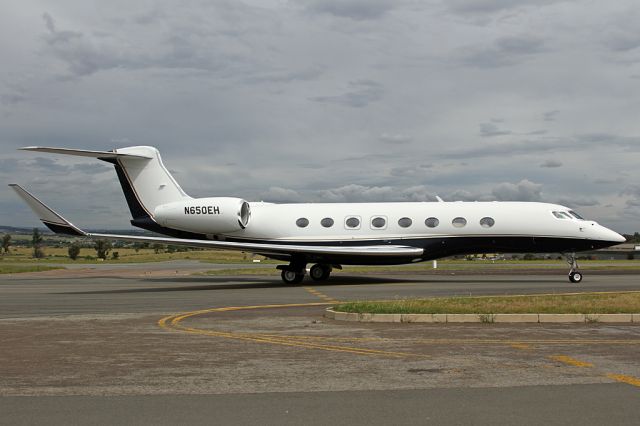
{"x":83,"y":152}
{"x":51,"y":219}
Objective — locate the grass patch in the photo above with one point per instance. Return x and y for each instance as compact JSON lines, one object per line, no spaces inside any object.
{"x":589,"y":303}
{"x":16,"y":269}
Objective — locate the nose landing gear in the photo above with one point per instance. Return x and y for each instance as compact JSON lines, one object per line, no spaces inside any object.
{"x":575,"y":276}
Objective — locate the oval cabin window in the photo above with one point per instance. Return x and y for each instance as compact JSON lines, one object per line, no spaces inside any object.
{"x":405,"y":222}
{"x":303,"y":222}
{"x":487,"y":222}
{"x":378,"y":222}
{"x":352,"y":222}
{"x":327,"y":222}
{"x":459,"y":222}
{"x":432,"y":222}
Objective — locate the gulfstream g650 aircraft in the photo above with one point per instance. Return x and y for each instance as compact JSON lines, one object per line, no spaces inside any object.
{"x":334,"y":234}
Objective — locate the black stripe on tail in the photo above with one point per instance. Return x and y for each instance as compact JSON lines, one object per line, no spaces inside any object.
{"x":135,"y":206}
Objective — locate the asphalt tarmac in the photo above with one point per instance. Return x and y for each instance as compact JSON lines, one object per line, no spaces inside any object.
{"x":160,"y":346}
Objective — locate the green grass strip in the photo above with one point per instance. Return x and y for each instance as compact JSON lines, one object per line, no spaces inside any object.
{"x":596,"y":303}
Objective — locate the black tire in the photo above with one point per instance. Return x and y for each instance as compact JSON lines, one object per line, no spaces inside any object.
{"x":291,"y":277}
{"x":575,"y":277}
{"x":319,"y":272}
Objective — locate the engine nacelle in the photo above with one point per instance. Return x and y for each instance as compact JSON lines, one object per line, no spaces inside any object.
{"x":216,"y":215}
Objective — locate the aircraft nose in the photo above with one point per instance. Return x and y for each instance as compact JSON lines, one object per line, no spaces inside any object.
{"x":612,"y":236}
{"x":619,"y":238}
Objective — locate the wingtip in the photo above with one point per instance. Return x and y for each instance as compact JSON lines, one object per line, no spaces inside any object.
{"x":49,"y":217}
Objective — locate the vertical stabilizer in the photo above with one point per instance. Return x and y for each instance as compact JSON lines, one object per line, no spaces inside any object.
{"x":145,"y":180}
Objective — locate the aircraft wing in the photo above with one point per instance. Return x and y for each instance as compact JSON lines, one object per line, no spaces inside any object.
{"x":60,"y":225}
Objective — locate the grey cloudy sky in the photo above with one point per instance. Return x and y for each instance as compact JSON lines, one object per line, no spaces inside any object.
{"x":326,"y":100}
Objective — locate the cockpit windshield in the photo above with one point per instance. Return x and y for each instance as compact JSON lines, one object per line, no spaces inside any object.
{"x":561,"y":215}
{"x":567,"y":215}
{"x":576,"y":215}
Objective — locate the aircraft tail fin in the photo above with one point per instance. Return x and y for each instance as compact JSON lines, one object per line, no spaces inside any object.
{"x":145,"y":181}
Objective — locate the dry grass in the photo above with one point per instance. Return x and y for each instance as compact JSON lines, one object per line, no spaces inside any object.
{"x":596,"y":303}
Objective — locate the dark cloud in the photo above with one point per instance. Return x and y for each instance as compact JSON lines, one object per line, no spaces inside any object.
{"x":550,"y":115}
{"x":492,"y":6}
{"x":286,"y":76}
{"x":48,"y":165}
{"x":624,"y":41}
{"x":418,"y":171}
{"x":353,"y":9}
{"x":94,"y":168}
{"x":632,"y":194}
{"x":551,"y":164}
{"x":361,"y":94}
{"x":550,"y":144}
{"x":13,"y":96}
{"x":81,"y":54}
{"x":578,"y":202}
{"x":503,"y":52}
{"x":536,"y":132}
{"x":488,"y":130}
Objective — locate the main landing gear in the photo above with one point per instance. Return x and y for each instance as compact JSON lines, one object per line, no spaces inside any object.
{"x":292,"y":277}
{"x":320,"y":272}
{"x":575,"y":276}
{"x":294,"y":273}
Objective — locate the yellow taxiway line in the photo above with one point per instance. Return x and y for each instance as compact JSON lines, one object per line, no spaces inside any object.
{"x":174,"y":323}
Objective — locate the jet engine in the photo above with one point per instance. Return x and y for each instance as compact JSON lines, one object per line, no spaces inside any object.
{"x":217,"y":215}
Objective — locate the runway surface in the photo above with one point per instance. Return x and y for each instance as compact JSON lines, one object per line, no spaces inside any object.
{"x":164,"y":347}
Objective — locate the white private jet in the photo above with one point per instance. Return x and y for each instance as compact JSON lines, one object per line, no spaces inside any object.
{"x":329,"y":235}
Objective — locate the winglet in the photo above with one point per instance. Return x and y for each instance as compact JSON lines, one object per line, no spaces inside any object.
{"x":51,"y":219}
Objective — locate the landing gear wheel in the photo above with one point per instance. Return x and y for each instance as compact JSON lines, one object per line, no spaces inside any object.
{"x":292,"y":277}
{"x":575,"y":276}
{"x":320,"y":272}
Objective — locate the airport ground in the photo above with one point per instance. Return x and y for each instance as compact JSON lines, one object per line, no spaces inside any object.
{"x":154,"y":343}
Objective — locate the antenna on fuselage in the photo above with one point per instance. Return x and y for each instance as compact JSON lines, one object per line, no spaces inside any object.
{"x":440,"y":200}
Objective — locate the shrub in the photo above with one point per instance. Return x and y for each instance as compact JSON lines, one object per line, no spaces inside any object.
{"x":74,"y":251}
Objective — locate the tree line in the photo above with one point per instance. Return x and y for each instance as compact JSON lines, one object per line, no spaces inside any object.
{"x":103,"y":248}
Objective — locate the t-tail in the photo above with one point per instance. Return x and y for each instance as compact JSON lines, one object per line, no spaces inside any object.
{"x":145,"y":180}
